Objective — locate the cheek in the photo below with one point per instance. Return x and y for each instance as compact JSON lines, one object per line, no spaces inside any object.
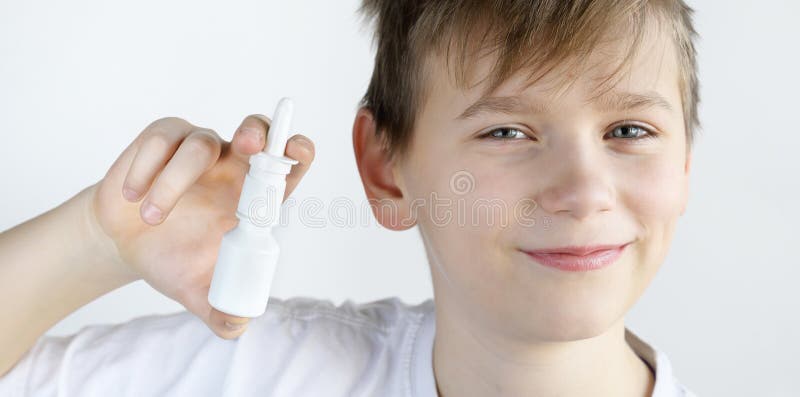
{"x":466,"y":220}
{"x":652,"y":193}
{"x":652,"y":189}
{"x":463,"y":210}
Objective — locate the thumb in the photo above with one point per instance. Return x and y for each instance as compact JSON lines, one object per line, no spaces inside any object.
{"x":224,"y":325}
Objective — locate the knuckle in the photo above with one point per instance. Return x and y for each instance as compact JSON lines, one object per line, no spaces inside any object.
{"x":202,"y":144}
{"x":135,"y":183}
{"x":171,"y":120}
{"x":164,"y":193}
{"x":161,"y":126}
{"x":155,"y":139}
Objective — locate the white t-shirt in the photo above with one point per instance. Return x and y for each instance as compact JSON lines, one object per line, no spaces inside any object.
{"x":300,"y":347}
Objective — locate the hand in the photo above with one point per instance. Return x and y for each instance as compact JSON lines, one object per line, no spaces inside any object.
{"x":168,"y":199}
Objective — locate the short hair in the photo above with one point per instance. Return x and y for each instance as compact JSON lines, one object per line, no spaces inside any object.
{"x":535,"y":35}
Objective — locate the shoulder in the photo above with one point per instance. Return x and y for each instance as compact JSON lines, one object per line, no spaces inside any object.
{"x":300,"y":346}
{"x":378,"y":325}
{"x":115,"y":358}
{"x":348,"y":349}
{"x":382,"y":315}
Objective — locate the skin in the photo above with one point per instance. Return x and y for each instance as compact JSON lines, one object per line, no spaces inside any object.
{"x":507,"y":325}
{"x":104,"y":237}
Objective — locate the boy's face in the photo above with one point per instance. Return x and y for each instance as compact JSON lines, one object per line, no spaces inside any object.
{"x":592,"y":183}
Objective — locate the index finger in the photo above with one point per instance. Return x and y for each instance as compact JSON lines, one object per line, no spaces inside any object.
{"x":250,"y":137}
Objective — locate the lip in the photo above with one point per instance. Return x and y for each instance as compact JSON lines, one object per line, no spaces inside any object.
{"x":578,"y":258}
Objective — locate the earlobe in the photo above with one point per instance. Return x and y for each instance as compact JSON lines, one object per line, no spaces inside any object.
{"x":377,"y":175}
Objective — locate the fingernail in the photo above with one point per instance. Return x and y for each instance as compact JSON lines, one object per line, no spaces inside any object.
{"x":303,"y":141}
{"x":233,"y":327}
{"x":151,"y":213}
{"x":130,"y":194}
{"x":252,"y":133}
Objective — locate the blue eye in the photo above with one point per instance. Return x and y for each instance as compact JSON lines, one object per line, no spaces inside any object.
{"x":629,"y":132}
{"x":505,"y":134}
{"x":632,"y":132}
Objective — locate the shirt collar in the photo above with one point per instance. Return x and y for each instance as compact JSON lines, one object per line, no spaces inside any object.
{"x":423,"y":384}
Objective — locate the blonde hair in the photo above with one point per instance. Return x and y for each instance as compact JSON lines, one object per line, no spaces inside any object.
{"x":535,"y":35}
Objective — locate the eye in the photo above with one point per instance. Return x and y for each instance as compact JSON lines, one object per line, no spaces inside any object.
{"x":504,"y":134}
{"x":632,"y":132}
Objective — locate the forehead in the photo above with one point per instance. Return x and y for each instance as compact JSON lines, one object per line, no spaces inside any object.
{"x":601,"y":80}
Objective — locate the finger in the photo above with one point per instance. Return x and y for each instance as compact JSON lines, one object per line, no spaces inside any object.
{"x":300,"y":148}
{"x":225,"y":325}
{"x":157,"y":143}
{"x":197,"y":153}
{"x":249,"y":138}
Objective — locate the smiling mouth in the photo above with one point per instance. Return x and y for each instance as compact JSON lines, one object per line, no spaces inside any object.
{"x":578,"y":258}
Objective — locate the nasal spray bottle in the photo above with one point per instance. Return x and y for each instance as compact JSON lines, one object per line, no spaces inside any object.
{"x":247,"y":257}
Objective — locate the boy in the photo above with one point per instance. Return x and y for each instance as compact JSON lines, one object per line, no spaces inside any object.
{"x":572,"y":119}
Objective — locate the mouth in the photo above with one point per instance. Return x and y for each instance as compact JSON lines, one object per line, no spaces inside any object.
{"x":578,"y":258}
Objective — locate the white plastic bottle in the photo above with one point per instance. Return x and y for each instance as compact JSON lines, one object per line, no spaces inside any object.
{"x":247,"y":257}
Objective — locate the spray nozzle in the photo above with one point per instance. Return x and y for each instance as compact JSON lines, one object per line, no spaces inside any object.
{"x":271,"y":160}
{"x":279,"y":128}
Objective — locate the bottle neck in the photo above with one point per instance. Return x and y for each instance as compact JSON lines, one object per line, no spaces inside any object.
{"x":253,"y":226}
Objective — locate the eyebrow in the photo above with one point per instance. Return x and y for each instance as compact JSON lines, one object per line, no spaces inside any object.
{"x":613,"y":101}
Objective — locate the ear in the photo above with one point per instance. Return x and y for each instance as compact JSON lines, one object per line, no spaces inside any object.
{"x":378,"y":175}
{"x":686,"y":168}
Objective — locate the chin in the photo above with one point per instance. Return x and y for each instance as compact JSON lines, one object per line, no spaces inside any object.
{"x":575,"y":331}
{"x":576,"y":321}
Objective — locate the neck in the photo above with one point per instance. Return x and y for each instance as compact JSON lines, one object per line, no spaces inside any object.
{"x":470,"y":360}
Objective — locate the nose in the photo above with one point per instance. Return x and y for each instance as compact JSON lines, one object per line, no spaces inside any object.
{"x":578,"y":184}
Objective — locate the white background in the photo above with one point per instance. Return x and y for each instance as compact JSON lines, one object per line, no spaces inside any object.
{"x":79,"y":80}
